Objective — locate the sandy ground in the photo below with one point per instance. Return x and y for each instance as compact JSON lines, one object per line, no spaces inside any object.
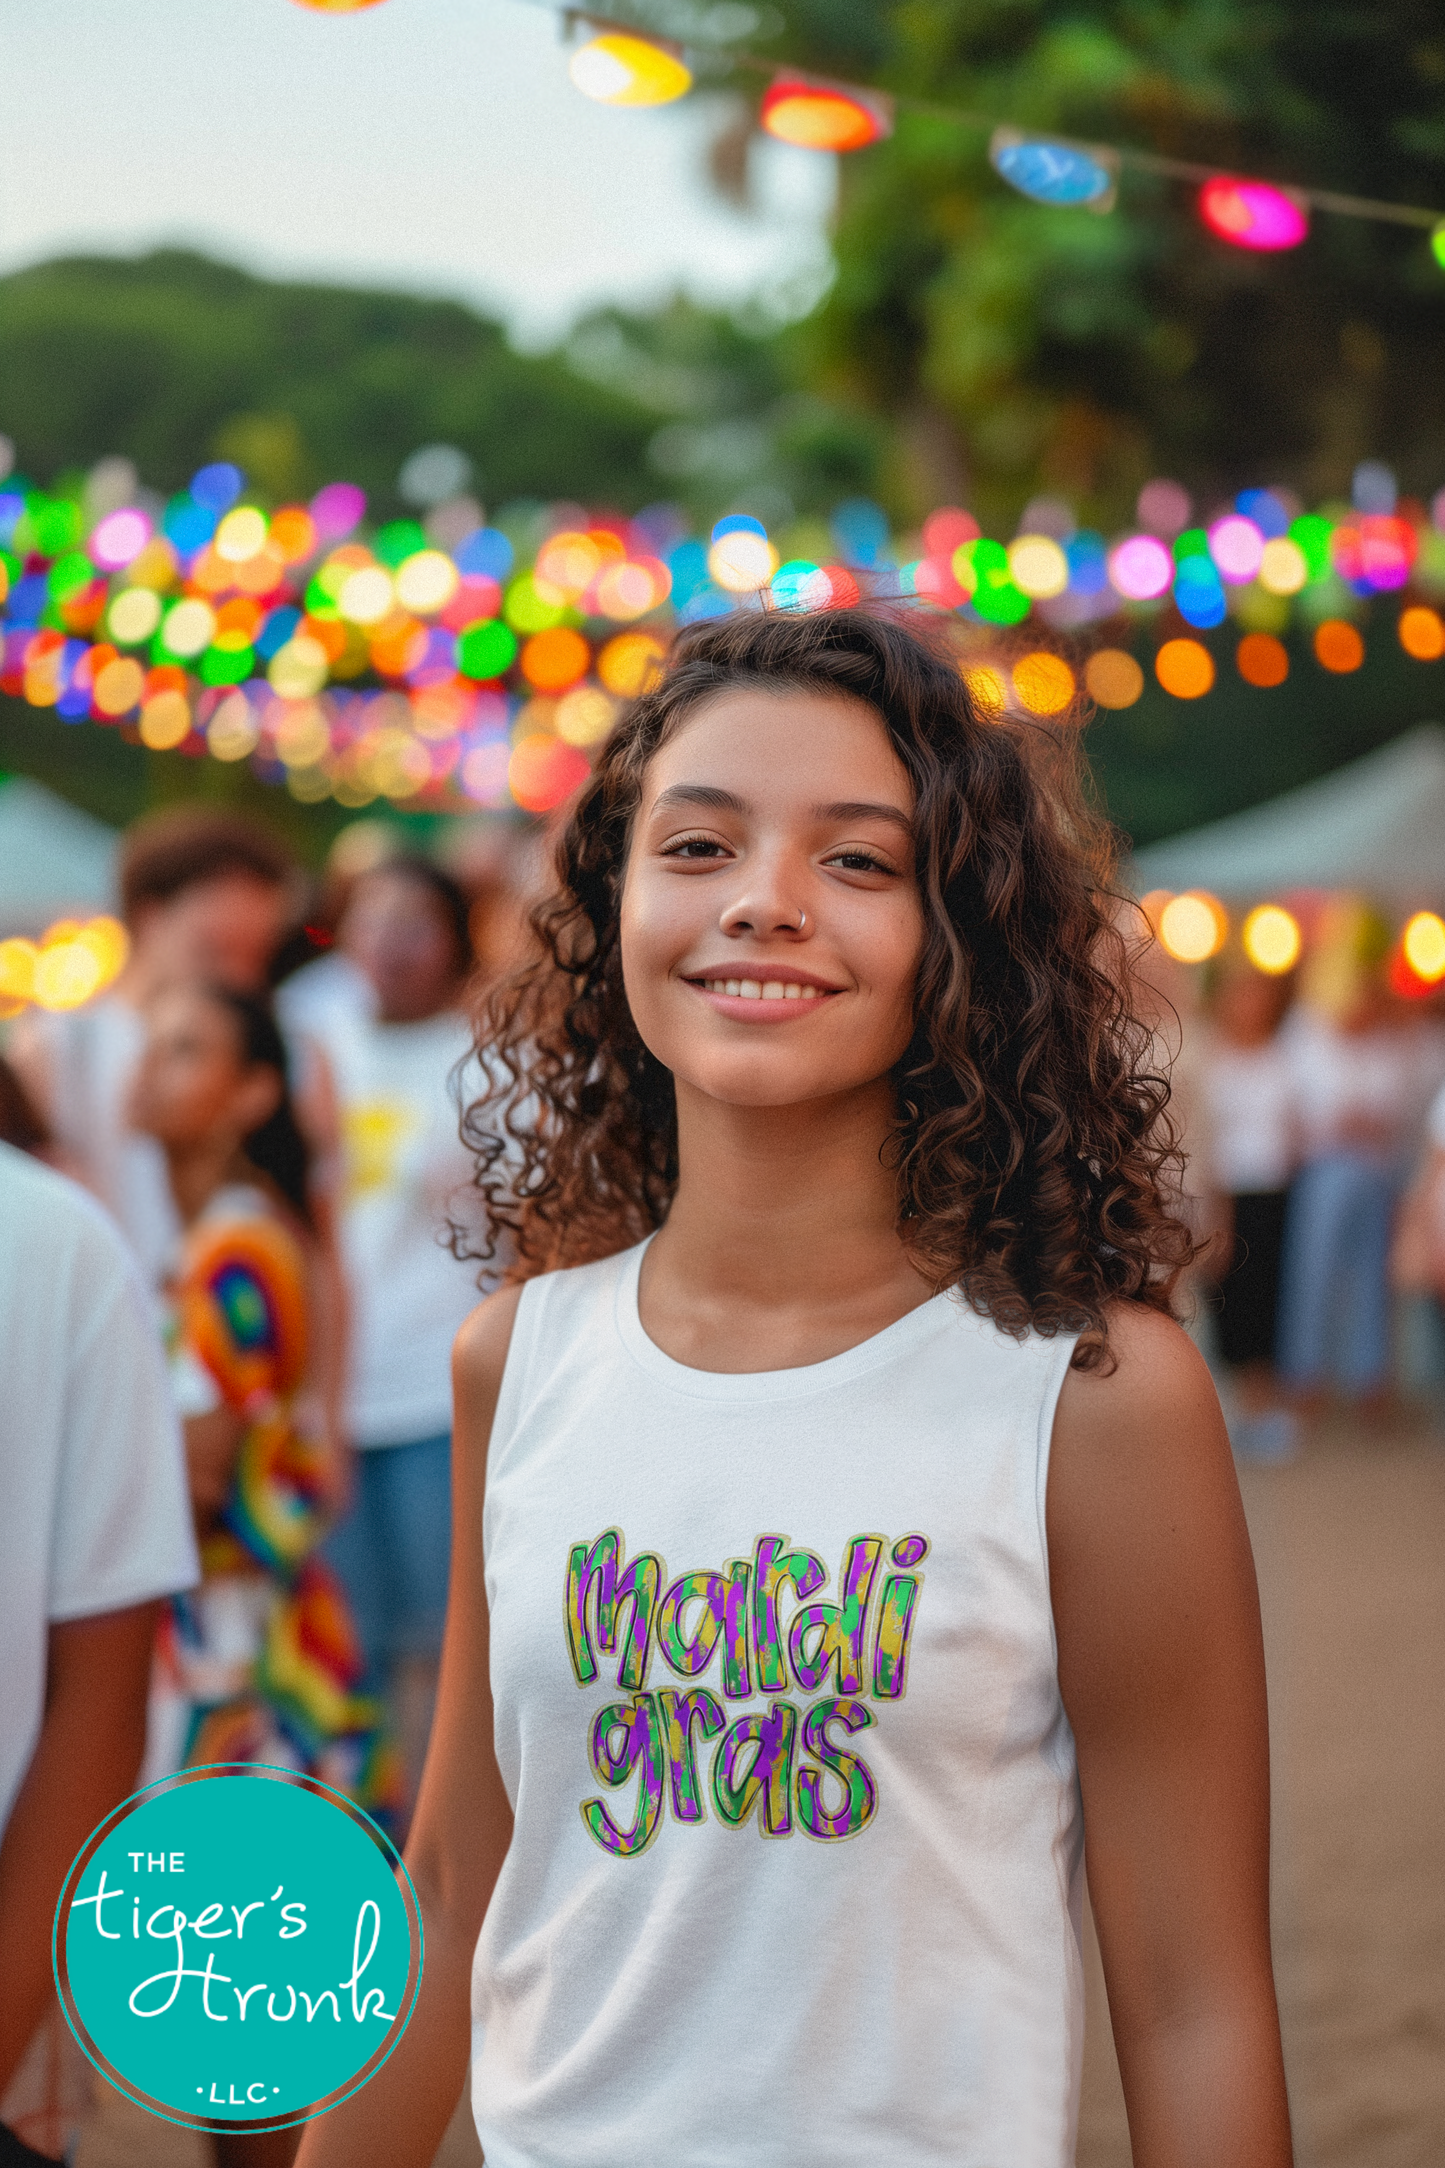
{"x":1350,"y":1545}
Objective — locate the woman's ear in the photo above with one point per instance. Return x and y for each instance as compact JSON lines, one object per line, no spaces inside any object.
{"x":257,"y":1097}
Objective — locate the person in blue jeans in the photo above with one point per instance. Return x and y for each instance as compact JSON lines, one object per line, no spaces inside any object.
{"x":1364,"y":1082}
{"x":402,"y":1176}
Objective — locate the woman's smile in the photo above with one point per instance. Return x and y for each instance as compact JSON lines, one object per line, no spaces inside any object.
{"x":764,"y":995}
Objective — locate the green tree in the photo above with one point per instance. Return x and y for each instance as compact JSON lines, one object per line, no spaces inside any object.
{"x":171,"y":359}
{"x":1011,"y":347}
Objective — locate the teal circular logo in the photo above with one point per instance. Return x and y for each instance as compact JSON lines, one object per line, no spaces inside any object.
{"x":238,"y":1945}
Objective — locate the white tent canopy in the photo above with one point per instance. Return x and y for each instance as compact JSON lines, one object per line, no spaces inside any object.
{"x":55,"y":862}
{"x":1377,"y":825}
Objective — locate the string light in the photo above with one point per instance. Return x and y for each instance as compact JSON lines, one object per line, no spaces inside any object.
{"x":1252,"y":214}
{"x":1051,"y":172}
{"x":824,"y":116}
{"x":616,"y":69}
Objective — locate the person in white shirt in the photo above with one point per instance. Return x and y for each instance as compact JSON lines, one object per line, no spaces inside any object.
{"x":403,"y":1174}
{"x":96,"y":1530}
{"x":1364,"y":1083}
{"x":1251,"y":1094}
{"x":205,"y":895}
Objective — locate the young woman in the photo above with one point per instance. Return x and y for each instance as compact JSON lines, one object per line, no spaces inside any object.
{"x":844,"y":1530}
{"x":262,"y":1658}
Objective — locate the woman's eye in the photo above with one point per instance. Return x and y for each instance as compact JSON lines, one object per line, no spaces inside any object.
{"x":694,"y":847}
{"x":858,"y":862}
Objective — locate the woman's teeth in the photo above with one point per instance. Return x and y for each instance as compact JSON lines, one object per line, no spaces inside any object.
{"x":763,"y":990}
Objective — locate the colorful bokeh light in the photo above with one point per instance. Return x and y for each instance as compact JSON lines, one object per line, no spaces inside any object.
{"x":1049,"y":172}
{"x":1271,"y":939}
{"x":1423,"y":943}
{"x":1251,"y":214}
{"x":409,"y":662}
{"x":1141,"y":567}
{"x":1184,"y":668}
{"x":1193,"y":927}
{"x":1237,"y":547}
{"x":1261,"y":659}
{"x":1422,"y":634}
{"x":543,"y":770}
{"x":823,"y":116}
{"x":1044,"y":683}
{"x":1112,"y":678}
{"x":616,"y":69}
{"x":1338,"y":646}
{"x":1039,"y":567}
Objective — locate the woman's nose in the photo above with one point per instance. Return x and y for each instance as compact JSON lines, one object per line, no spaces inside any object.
{"x":763,"y":913}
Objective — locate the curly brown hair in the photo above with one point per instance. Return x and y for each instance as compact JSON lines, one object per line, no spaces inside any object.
{"x":1034,"y":1157}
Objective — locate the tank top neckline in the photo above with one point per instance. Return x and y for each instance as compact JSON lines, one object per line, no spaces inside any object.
{"x":899,"y":1338}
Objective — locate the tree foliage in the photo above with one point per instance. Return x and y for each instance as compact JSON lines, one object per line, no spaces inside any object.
{"x":1011,"y":347}
{"x":173,"y":358}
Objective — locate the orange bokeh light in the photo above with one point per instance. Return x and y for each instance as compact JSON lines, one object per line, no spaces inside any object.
{"x":1261,"y":659}
{"x":1044,"y":683}
{"x":1422,"y":634}
{"x":1184,"y":668}
{"x":818,"y":117}
{"x":1113,"y":678}
{"x":1338,"y":646}
{"x":543,"y":771}
{"x":556,"y":659}
{"x":293,"y":531}
{"x":631,"y":664}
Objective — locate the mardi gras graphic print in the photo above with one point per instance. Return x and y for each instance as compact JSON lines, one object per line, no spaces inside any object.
{"x":813,"y":1688}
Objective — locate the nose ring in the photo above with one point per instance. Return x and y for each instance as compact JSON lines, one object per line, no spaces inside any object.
{"x":802,"y":920}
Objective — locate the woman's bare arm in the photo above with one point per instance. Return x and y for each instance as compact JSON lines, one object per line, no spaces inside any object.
{"x":1161,"y":1666}
{"x":463,"y":1822}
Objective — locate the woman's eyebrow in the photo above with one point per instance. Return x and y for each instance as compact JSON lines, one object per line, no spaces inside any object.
{"x":703,"y":794}
{"x":862,"y":809}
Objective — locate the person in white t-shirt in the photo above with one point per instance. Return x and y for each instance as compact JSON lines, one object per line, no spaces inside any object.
{"x":1365,"y":1081}
{"x":96,"y":1529}
{"x":403,"y":1172}
{"x":205,"y":895}
{"x":1251,"y":1095}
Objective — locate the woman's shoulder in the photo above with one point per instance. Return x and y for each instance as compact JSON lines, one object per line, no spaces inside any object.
{"x":553,"y":1300}
{"x":1144,"y":1419}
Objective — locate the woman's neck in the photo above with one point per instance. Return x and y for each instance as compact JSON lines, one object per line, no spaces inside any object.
{"x":781,"y":1246}
{"x":197,"y":1171}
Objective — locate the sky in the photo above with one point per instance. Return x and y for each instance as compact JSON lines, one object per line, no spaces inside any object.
{"x":435,"y":145}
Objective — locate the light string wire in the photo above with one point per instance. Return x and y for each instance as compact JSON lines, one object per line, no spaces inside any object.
{"x":1183,"y":169}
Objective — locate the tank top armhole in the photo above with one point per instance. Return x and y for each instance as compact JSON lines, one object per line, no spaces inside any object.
{"x":512,"y":1392}
{"x":1062,"y":1351}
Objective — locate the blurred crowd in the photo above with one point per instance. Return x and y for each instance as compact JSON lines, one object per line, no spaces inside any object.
{"x":1312,"y":1110}
{"x":265,"y":1104}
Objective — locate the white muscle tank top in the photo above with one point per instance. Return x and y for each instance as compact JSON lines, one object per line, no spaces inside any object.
{"x":795,"y":1872}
